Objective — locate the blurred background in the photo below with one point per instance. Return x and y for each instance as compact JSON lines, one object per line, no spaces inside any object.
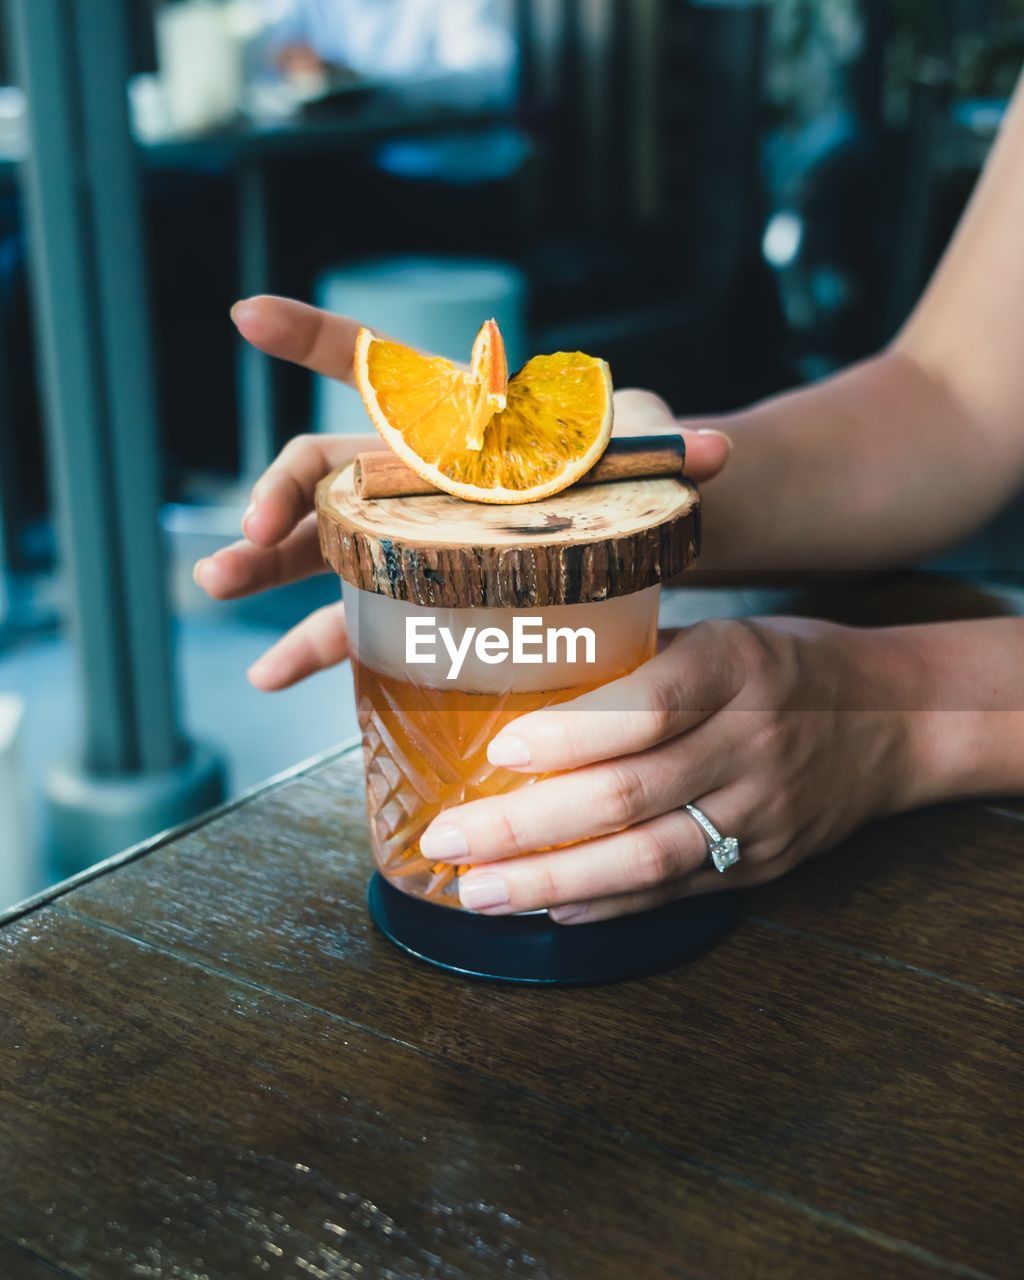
{"x":722,"y":199}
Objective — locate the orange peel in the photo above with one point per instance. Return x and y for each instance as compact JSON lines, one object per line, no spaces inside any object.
{"x":479,"y":435}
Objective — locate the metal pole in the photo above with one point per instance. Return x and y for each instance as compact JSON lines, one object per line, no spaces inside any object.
{"x":257,"y":388}
{"x":8,"y":511}
{"x":63,"y":288}
{"x":136,"y":773}
{"x":124,"y":336}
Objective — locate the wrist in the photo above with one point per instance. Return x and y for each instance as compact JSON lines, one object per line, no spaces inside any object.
{"x":888,"y":685}
{"x":862,"y":686}
{"x":959,"y":738}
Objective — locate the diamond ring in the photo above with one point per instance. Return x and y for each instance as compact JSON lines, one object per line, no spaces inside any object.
{"x":724,"y":851}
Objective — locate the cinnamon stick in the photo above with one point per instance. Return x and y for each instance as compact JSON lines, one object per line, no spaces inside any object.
{"x":383,"y":474}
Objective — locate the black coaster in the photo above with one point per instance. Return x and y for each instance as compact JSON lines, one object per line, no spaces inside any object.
{"x":533,"y":950}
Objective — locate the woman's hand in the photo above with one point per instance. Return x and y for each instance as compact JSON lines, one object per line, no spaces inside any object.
{"x":777,"y":729}
{"x":281,"y":543}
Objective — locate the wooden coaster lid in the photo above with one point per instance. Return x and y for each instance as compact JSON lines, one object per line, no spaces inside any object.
{"x":588,"y":543}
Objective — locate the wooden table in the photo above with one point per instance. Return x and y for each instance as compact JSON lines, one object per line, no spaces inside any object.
{"x":213,"y":1067}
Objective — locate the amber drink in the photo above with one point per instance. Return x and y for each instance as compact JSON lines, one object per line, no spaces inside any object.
{"x":425,"y":734}
{"x":463,"y":617}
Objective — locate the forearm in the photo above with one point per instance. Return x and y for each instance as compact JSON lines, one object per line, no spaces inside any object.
{"x":957,"y":690}
{"x":875,"y":467}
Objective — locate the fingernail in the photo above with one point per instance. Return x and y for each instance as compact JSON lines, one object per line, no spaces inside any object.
{"x":249,"y":511}
{"x":262,"y":670}
{"x":443,"y":843}
{"x":206,"y":573}
{"x":508,"y":751}
{"x":567,"y":915}
{"x":240,"y":311}
{"x":478,"y":893}
{"x":711,"y":431}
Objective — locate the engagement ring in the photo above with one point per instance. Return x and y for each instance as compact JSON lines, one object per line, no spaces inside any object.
{"x":724,"y":851}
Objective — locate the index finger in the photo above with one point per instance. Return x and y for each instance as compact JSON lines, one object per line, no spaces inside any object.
{"x":324,"y":343}
{"x":304,"y":335}
{"x":689,"y":681}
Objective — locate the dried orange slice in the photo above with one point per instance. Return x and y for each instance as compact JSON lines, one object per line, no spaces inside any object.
{"x":478,"y":435}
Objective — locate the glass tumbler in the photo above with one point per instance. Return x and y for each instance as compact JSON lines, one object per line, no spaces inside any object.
{"x":426,"y":725}
{"x":463,"y":617}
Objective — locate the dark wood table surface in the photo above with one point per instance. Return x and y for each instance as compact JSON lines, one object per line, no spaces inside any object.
{"x":212,"y":1066}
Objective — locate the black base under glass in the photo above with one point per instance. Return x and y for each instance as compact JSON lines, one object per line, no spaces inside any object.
{"x":533,"y":950}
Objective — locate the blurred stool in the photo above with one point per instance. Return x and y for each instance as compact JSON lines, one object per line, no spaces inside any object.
{"x":435,"y":303}
{"x":16,"y":870}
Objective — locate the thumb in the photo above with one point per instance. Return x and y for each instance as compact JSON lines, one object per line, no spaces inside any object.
{"x":707,"y":452}
{"x":641,"y":413}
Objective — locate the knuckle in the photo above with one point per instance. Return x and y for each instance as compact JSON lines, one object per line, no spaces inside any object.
{"x":288,"y":454}
{"x":642,"y":398}
{"x":717,"y":635}
{"x":652,"y":861}
{"x":660,"y":707}
{"x":638,"y":410}
{"x":297,"y":454}
{"x":550,"y":889}
{"x":754,"y":646}
{"x":302,"y":443}
{"x":765,"y":734}
{"x":621,"y":794}
{"x":506,"y":832}
{"x":745,"y":650}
